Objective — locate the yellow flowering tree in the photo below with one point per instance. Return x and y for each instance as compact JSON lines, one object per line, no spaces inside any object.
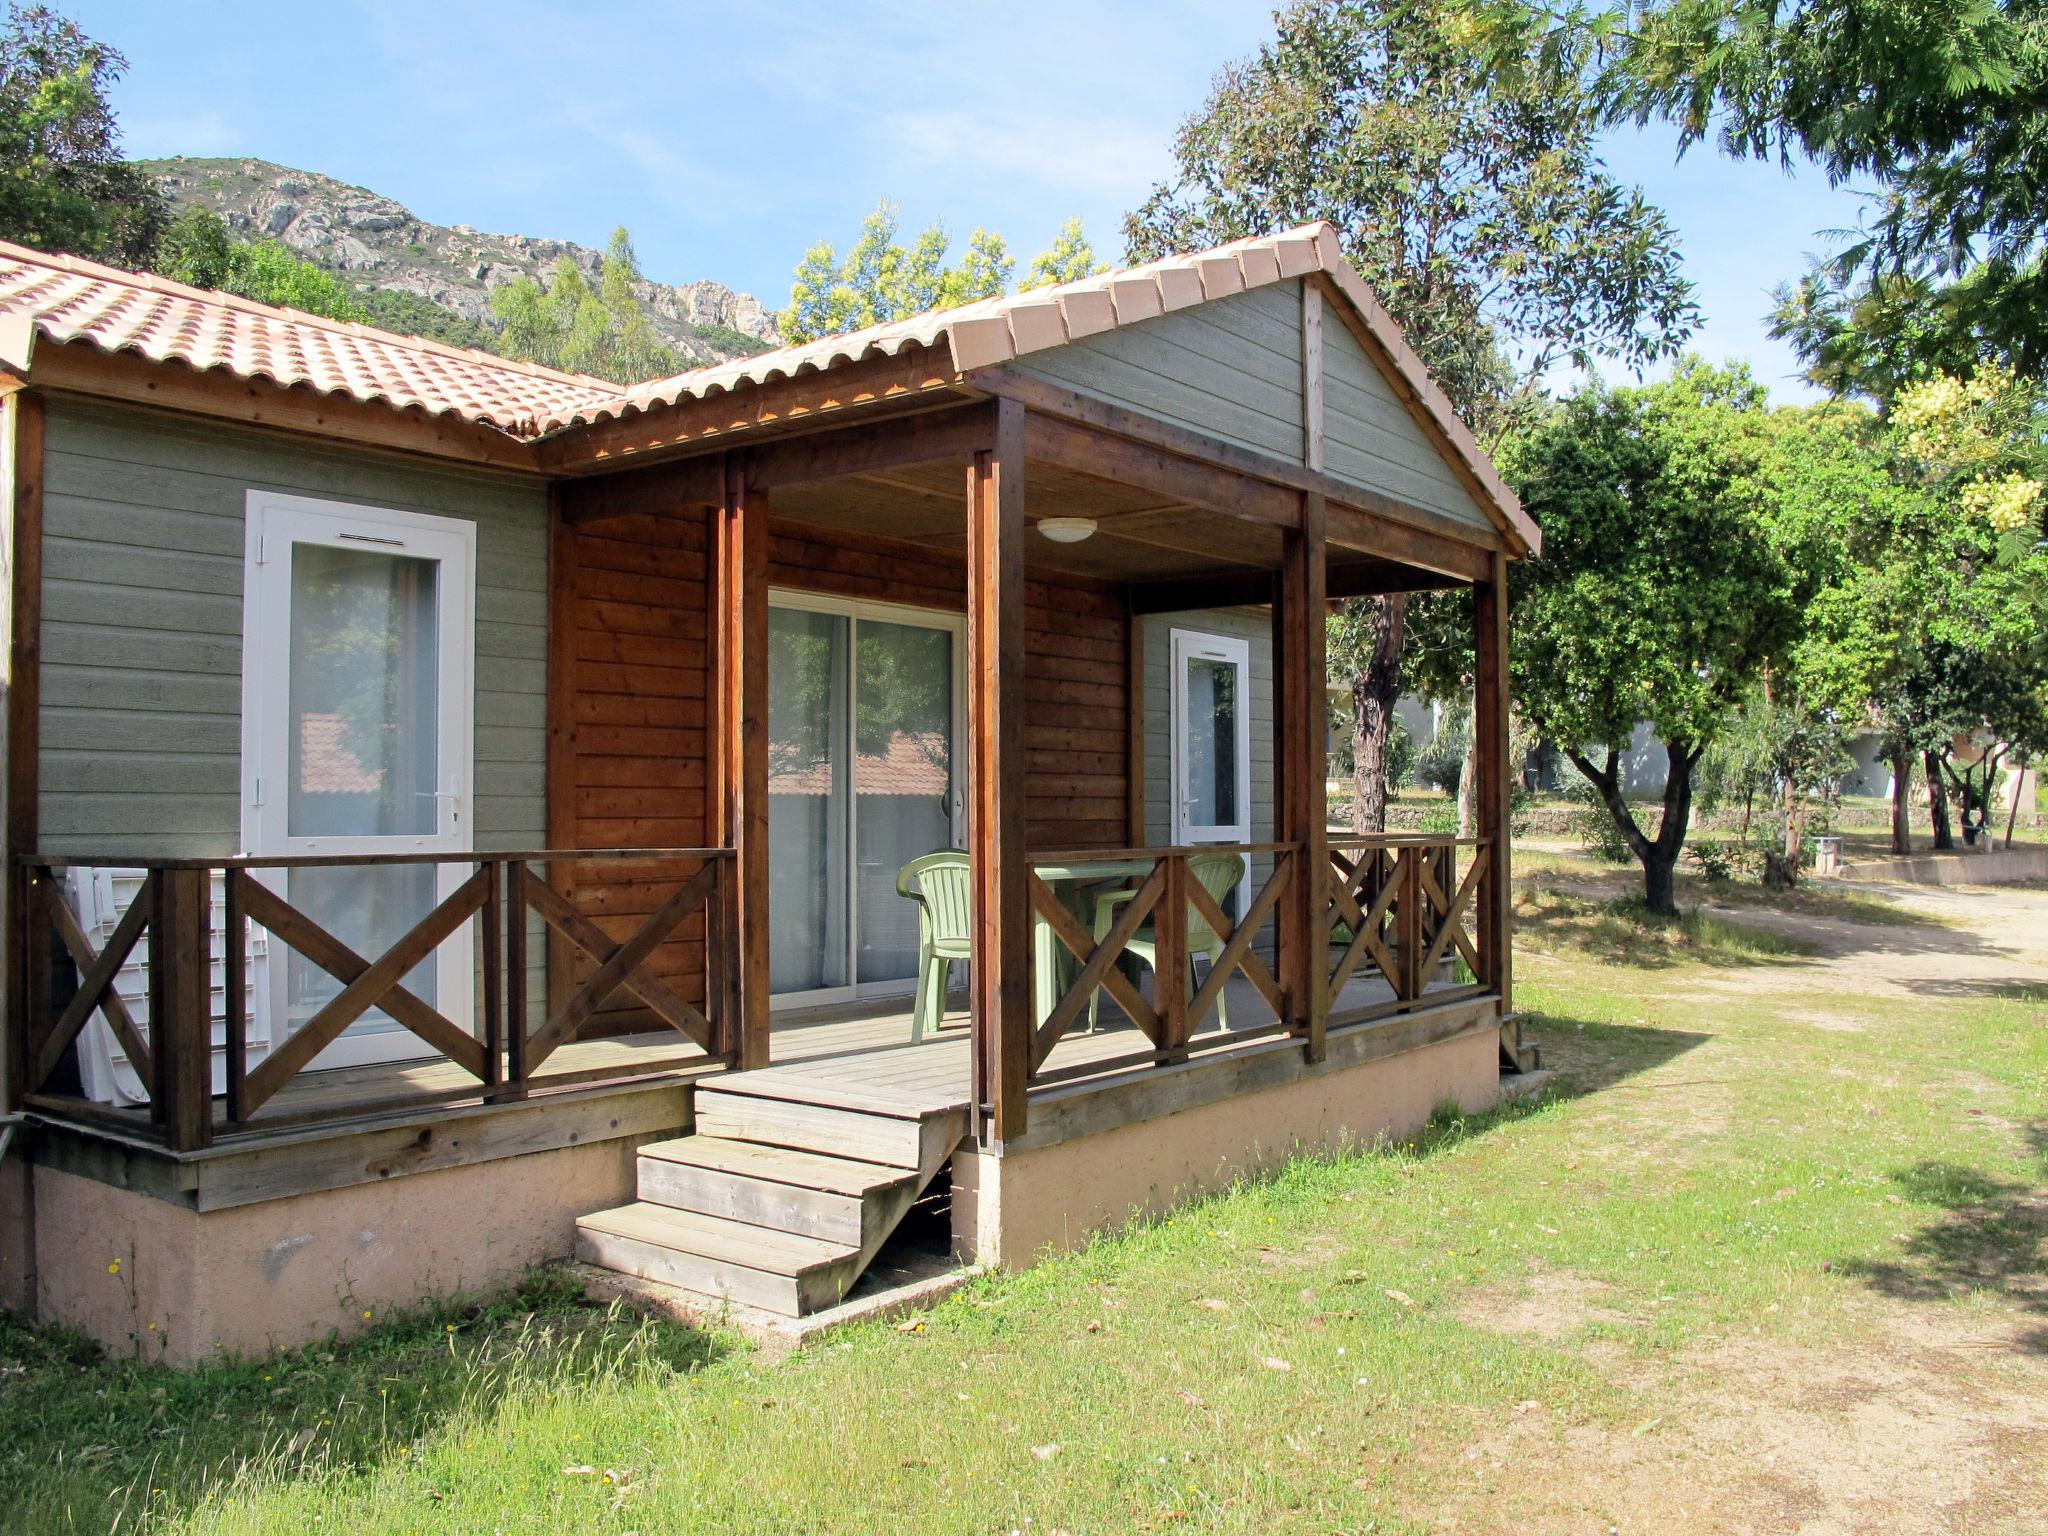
{"x":1984,"y":437}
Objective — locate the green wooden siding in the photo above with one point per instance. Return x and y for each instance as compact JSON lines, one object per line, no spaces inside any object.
{"x":1255,"y":628}
{"x":142,"y":625}
{"x":1231,"y":369}
{"x":1370,"y":439}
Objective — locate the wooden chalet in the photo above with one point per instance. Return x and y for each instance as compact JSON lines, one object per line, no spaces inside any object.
{"x":454,"y":810}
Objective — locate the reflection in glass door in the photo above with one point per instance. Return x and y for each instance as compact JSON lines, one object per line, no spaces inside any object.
{"x":862,"y":720}
{"x":357,"y":669}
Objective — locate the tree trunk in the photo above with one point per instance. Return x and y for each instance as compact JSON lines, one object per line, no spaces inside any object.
{"x":1937,"y":804}
{"x":1468,"y":778}
{"x":1373,"y":695}
{"x":2019,"y":782}
{"x":1658,"y":855}
{"x":1902,"y":800}
{"x":1796,"y":812}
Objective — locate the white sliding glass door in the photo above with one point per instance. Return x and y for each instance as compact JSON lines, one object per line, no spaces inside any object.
{"x":357,"y":682}
{"x":863,"y":717}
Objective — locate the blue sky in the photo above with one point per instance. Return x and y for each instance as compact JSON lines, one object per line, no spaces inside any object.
{"x":729,"y":137}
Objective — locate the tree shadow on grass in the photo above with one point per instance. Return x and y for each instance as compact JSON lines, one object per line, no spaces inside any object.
{"x":1590,"y":1056}
{"x":93,"y":1443}
{"x":1991,"y":1238}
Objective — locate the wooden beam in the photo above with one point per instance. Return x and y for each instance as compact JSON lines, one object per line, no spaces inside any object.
{"x":754,"y":410}
{"x":26,"y":935}
{"x":1088,"y":449}
{"x":1490,"y":691}
{"x":83,"y":369}
{"x":1237,"y":589}
{"x":945,"y":432}
{"x":995,"y":774}
{"x":1047,"y":399}
{"x":1367,"y":577}
{"x":1300,"y":670}
{"x":743,"y":734}
{"x":682,"y":487}
{"x":1373,"y":535}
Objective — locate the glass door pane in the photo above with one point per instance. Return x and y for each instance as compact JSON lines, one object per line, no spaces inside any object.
{"x":902,"y":780}
{"x":1213,"y":792}
{"x":808,"y":799}
{"x":363,"y":749}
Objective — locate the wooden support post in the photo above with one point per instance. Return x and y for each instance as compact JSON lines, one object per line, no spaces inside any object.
{"x":1408,"y":922}
{"x":512,"y":872}
{"x":1301,"y":775}
{"x":1170,"y":968}
{"x":1134,"y":727}
{"x":180,"y":950}
{"x":742,"y":550}
{"x":234,"y":948}
{"x":565,"y":543}
{"x":995,"y":774}
{"x":493,"y":919}
{"x":1490,"y":720}
{"x":26,"y":1004}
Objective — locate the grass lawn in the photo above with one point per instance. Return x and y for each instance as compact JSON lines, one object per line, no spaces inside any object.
{"x":1771,"y":1253}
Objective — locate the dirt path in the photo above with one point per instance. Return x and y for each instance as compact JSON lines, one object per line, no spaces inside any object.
{"x":1913,"y":1414}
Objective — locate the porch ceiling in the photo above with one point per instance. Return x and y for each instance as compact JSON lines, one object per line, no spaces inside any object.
{"x":1139,"y":535}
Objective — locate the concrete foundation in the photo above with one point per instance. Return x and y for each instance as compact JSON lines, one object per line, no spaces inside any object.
{"x":1010,"y":1209}
{"x":161,"y":1281}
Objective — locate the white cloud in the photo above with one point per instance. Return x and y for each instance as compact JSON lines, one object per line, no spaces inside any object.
{"x":1097,"y":157}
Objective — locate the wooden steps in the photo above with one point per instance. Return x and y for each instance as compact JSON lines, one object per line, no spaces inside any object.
{"x":784,"y":1193}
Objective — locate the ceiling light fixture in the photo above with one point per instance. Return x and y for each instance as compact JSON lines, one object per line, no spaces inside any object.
{"x":1066,"y":530}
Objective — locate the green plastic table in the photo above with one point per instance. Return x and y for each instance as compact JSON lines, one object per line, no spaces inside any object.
{"x":1071,"y":882}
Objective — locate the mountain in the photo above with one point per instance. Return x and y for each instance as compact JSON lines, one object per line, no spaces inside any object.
{"x":436,"y":279}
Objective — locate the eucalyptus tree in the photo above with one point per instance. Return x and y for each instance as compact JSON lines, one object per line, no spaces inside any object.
{"x":1943,"y":104}
{"x":1473,"y":201}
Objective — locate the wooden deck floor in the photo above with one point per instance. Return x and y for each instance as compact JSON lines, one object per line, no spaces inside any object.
{"x":864,"y":1044}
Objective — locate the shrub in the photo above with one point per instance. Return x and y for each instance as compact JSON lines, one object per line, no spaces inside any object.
{"x":1593,"y":825}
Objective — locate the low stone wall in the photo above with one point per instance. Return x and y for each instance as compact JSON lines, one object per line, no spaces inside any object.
{"x":1994,"y":866}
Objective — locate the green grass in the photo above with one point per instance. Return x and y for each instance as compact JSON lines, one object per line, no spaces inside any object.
{"x":1313,"y":1352}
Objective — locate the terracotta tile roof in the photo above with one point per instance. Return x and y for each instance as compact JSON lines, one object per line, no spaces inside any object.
{"x":69,"y":299}
{"x":992,"y":331}
{"x":914,"y":763}
{"x":327,"y":764}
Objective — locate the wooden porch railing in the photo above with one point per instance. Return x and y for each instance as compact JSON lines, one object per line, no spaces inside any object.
{"x":1403,"y":904}
{"x":498,"y":1053}
{"x":1403,"y":908}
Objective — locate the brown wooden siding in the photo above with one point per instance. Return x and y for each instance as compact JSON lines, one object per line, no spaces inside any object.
{"x":628,"y":738}
{"x":630,"y":735}
{"x":1076,"y":660}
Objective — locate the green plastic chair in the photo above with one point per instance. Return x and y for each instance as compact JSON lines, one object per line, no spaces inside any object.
{"x":944,"y":903}
{"x":1219,"y":875}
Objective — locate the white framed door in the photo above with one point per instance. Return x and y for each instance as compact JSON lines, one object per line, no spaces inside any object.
{"x":358,"y":675}
{"x":864,"y":775}
{"x":1212,"y":738}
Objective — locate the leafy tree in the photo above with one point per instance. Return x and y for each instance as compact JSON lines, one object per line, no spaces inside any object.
{"x":602,"y":331}
{"x":197,"y":249}
{"x":395,"y":309}
{"x":1473,"y":202}
{"x":1659,"y":594}
{"x":1068,"y":259}
{"x":1943,"y":103}
{"x":879,"y":279}
{"x":63,"y":185}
